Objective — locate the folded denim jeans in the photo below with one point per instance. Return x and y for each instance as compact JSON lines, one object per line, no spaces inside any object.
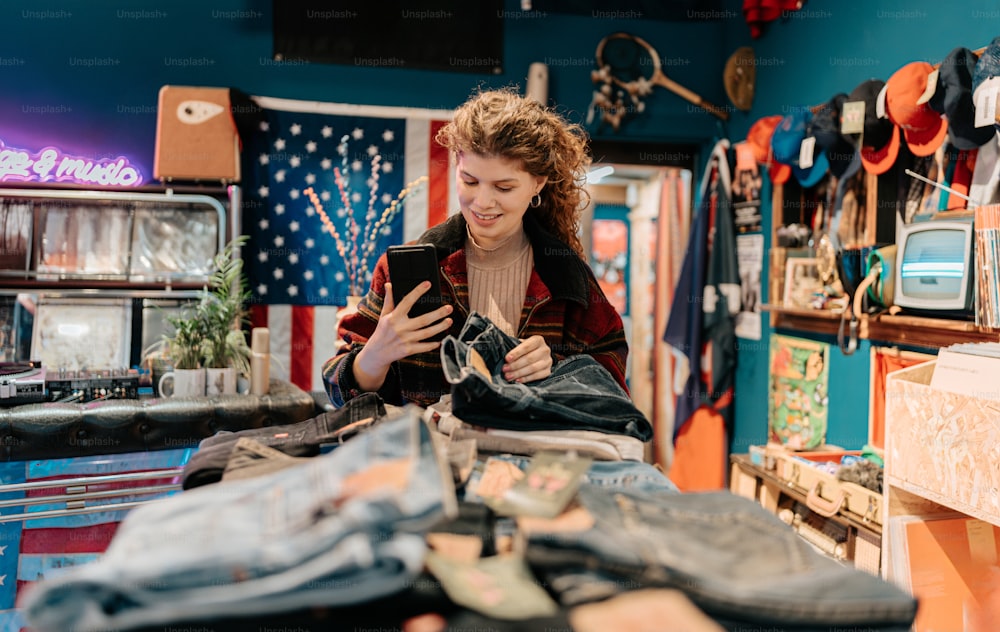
{"x":580,"y":394}
{"x":736,"y":561}
{"x":341,"y":528}
{"x":299,"y":439}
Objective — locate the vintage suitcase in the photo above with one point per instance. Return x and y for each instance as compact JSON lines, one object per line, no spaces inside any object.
{"x":196,"y":136}
{"x":824,"y":493}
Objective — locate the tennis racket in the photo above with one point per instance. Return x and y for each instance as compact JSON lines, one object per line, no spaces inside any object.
{"x":630,"y":58}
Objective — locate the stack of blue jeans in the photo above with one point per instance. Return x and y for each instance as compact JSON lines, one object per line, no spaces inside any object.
{"x":580,"y":394}
{"x":330,"y":532}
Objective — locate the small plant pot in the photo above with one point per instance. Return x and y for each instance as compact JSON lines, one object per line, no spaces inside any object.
{"x":220,"y":381}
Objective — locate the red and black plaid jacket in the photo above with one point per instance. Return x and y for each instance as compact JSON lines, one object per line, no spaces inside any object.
{"x":563,"y":303}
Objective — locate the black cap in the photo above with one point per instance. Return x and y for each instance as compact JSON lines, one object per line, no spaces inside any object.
{"x":953,"y":98}
{"x":878,"y":131}
{"x":825,"y":126}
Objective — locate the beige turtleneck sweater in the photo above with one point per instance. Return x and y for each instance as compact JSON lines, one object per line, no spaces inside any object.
{"x":498,"y":280}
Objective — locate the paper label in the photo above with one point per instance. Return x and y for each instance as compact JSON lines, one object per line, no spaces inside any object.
{"x":806,"y":150}
{"x":982,"y":545}
{"x":986,"y":107}
{"x":932,"y":80}
{"x":852,"y":119}
{"x":880,"y":107}
{"x":549,"y":484}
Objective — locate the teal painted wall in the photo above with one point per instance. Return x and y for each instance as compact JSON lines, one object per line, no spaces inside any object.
{"x":832,"y":47}
{"x":84,"y":75}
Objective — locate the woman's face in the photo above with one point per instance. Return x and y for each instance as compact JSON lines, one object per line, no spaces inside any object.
{"x":494,"y":194}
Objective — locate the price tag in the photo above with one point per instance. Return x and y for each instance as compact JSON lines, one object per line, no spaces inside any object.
{"x":745,"y":158}
{"x":986,"y":106}
{"x":932,"y":81}
{"x":852,"y":118}
{"x":982,"y":546}
{"x":806,"y":151}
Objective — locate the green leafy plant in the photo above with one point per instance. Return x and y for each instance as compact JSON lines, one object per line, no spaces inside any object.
{"x":210,"y":334}
{"x":222,"y":312}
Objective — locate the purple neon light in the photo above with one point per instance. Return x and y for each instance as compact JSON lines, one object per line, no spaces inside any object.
{"x":52,"y":165}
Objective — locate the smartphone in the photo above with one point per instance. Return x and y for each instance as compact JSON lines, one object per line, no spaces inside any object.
{"x":409,"y":266}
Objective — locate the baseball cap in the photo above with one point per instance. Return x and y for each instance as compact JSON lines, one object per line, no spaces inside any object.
{"x":986,"y":75}
{"x":880,"y":140}
{"x":923,"y":128}
{"x":953,"y":98}
{"x":825,"y":127}
{"x":759,"y":139}
{"x":787,"y":142}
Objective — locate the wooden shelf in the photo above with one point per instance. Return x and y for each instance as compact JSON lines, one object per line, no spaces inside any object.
{"x":896,"y":329}
{"x":812,"y":320}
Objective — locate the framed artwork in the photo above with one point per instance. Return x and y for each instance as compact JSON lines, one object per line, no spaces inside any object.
{"x":803,"y":286}
{"x":798,"y":399}
{"x":610,"y":254}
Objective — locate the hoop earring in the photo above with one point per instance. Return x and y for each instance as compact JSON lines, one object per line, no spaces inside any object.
{"x":536,"y":200}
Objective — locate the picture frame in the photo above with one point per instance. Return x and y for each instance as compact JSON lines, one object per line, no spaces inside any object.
{"x":78,"y":334}
{"x":803,"y":287}
{"x":798,"y":394}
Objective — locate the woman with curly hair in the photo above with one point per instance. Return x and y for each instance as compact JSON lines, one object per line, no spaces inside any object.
{"x":512,"y":254}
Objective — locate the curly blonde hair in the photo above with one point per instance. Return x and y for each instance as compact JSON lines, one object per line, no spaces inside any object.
{"x":502,"y":123}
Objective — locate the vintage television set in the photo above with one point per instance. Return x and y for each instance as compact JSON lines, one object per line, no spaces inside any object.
{"x":934,"y":267}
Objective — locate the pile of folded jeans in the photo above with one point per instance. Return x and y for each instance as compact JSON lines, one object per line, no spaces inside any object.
{"x":378,"y":517}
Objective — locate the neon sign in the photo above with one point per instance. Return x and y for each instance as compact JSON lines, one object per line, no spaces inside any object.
{"x":52,"y":165}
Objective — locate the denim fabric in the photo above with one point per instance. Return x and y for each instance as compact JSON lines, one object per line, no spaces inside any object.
{"x":580,"y":394}
{"x":613,"y":475}
{"x":304,"y":438}
{"x":330,"y":532}
{"x":735,"y":560}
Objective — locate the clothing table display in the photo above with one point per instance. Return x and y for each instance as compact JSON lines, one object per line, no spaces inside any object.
{"x":398,"y":518}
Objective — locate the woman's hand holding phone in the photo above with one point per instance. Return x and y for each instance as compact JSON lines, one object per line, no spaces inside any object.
{"x":397,"y":336}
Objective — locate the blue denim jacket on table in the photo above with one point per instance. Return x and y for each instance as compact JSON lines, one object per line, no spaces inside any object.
{"x":321,"y":533}
{"x":580,"y":394}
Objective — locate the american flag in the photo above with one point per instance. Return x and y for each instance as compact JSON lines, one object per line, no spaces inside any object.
{"x":297,"y":278}
{"x":31,"y":550}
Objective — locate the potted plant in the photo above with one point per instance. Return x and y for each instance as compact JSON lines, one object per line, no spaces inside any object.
{"x":222,"y":314}
{"x":183,"y":350}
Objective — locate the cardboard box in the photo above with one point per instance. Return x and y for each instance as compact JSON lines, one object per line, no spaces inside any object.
{"x":943,"y":446}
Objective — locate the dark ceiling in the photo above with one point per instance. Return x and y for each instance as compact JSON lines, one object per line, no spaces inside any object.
{"x":666,"y":10}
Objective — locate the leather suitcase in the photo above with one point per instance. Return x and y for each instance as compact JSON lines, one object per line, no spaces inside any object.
{"x":196,"y":137}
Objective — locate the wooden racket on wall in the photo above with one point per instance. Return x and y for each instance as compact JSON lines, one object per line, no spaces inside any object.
{"x":632,"y":64}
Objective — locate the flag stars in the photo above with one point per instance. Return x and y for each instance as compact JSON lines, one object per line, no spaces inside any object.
{"x":372,"y":150}
{"x":279,"y":241}
{"x":386,"y":167}
{"x":264,"y":126}
{"x":326,"y":164}
{"x":279,"y":209}
{"x":310,"y":210}
{"x":294,"y":194}
{"x":324,"y":260}
{"x":263,"y":192}
{"x":327,"y":131}
{"x":295,"y":129}
{"x":261,"y":289}
{"x":3,"y":550}
{"x":293,"y":226}
{"x":264,"y":159}
{"x":325,"y":196}
{"x":324,"y":292}
{"x":279,"y":175}
{"x":308,"y":275}
{"x":279,"y":144}
{"x":279,"y":273}
{"x":262,"y":256}
{"x":263,"y":224}
{"x":356,"y":165}
{"x":311,"y":147}
{"x":388,"y":135}
{"x":358,"y":133}
{"x":293,"y":258}
{"x":310,"y":178}
{"x":3,"y":578}
{"x":293,"y":290}
{"x":310,"y":243}
{"x":294,"y":161}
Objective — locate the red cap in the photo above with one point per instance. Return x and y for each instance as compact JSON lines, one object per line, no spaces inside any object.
{"x":759,"y":138}
{"x":923,"y":128}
